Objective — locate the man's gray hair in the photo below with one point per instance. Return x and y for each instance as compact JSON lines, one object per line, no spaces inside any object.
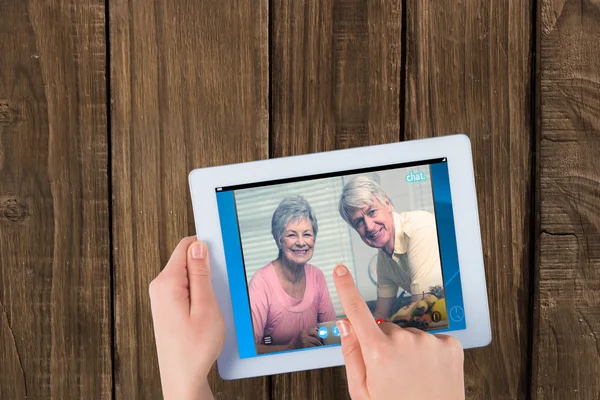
{"x":358,"y":193}
{"x":292,"y":208}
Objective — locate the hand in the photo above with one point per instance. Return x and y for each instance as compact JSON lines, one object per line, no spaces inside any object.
{"x":307,"y":338}
{"x":385,"y":361}
{"x":188,"y":325}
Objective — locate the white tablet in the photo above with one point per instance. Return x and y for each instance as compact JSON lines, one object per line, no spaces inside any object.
{"x":402,"y":217}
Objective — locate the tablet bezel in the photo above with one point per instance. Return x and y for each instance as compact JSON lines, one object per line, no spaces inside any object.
{"x":455,"y":148}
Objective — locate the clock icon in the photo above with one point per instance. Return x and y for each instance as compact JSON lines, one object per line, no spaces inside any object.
{"x":457,"y":314}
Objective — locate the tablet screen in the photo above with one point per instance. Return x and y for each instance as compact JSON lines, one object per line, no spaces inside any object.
{"x":392,"y":226}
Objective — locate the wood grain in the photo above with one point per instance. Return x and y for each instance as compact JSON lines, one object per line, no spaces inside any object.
{"x":55,"y":300}
{"x":335,"y":83}
{"x":189,"y":89}
{"x":469,"y":70}
{"x":566,"y":353}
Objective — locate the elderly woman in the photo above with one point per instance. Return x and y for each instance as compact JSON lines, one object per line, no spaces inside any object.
{"x":289,"y":297}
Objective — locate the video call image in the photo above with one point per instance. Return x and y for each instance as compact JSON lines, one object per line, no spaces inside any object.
{"x":381,"y":225}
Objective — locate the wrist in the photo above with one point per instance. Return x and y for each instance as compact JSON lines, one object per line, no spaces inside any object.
{"x":200,"y":390}
{"x":205,"y":392}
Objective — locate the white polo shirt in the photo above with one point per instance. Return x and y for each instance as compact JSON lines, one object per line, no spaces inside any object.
{"x":416,"y":258}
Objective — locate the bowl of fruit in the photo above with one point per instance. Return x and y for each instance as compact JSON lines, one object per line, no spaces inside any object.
{"x":429,"y":312}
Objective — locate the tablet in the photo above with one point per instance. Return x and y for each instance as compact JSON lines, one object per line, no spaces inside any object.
{"x":402,"y":217}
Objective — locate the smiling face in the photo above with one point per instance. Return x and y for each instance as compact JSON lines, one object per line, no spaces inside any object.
{"x":297,"y":242}
{"x":375,"y":225}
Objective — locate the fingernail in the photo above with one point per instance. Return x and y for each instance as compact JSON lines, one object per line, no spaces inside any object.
{"x":341,"y":270}
{"x":198,"y":251}
{"x":343,"y":327}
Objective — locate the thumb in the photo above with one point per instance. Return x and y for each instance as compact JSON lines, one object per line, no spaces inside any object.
{"x":356,"y":372}
{"x":198,"y":269}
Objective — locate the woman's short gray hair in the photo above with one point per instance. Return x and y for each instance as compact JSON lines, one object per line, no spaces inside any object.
{"x":358,"y":193}
{"x":292,"y":208}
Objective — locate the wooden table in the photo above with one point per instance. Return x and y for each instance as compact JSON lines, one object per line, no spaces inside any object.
{"x":106,"y":106}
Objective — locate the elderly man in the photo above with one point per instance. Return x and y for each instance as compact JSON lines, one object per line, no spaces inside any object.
{"x":408,"y":247}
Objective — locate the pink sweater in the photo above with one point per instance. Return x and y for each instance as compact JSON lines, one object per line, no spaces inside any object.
{"x":276,"y":314}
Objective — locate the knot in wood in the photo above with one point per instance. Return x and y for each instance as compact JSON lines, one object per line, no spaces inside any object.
{"x":8,"y":116}
{"x":13,"y":210}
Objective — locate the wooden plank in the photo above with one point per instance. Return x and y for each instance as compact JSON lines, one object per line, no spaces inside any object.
{"x":54,"y":217}
{"x":335,"y":83}
{"x":189,"y":89}
{"x":566,"y":362}
{"x":469,"y":70}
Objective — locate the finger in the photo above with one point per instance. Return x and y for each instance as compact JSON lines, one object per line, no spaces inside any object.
{"x":451,"y":340}
{"x":356,"y":372}
{"x":198,"y":268}
{"x":178,"y":259}
{"x":171,"y":287}
{"x":355,"y":307}
{"x":388,"y":327}
{"x":313,"y":337}
{"x":313,"y":332}
{"x":415,"y":331}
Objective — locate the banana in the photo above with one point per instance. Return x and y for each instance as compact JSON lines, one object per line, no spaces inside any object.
{"x":405,"y":313}
{"x":430,"y":300}
{"x":420,"y":309}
